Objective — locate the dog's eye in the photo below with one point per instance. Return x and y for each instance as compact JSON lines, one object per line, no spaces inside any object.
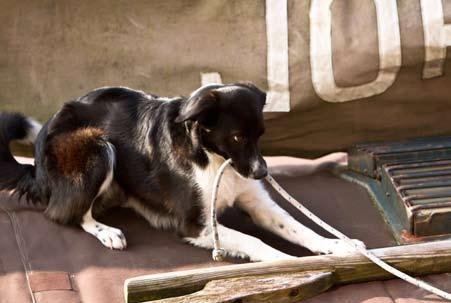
{"x":238,"y":138}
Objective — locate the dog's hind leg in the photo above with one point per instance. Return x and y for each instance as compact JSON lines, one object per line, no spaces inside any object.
{"x":111,"y":237}
{"x":81,"y":175}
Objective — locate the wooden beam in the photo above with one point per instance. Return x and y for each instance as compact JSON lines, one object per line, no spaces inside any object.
{"x":415,"y":259}
{"x":287,"y":287}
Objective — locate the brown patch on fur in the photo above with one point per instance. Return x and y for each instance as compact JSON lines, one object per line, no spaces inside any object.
{"x":75,"y":151}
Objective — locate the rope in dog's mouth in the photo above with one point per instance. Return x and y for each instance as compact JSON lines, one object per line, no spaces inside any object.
{"x":219,"y":253}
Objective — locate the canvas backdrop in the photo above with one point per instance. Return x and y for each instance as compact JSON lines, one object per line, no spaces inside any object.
{"x":338,"y":72}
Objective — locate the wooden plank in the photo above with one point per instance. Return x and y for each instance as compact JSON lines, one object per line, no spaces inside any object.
{"x":283,"y":288}
{"x":416,"y":259}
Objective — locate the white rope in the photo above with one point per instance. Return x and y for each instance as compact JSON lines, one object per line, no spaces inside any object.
{"x":219,"y":252}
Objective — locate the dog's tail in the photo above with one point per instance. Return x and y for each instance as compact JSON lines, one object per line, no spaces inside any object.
{"x":19,"y":178}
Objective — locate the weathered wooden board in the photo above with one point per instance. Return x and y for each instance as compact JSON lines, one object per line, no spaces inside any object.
{"x":416,"y":259}
{"x":287,"y":287}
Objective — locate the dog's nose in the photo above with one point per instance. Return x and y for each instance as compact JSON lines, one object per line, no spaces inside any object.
{"x":259,"y":170}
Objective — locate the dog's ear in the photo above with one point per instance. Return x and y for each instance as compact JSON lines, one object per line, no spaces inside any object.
{"x":201,"y":106}
{"x":261,"y":94}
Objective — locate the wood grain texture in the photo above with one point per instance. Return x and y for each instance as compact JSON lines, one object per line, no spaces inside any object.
{"x":287,"y":287}
{"x":416,"y":259}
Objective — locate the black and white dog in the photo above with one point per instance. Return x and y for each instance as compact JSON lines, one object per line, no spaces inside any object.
{"x":120,"y":147}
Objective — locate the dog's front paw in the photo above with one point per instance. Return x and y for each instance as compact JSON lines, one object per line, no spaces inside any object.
{"x":112,"y":238}
{"x":337,"y":247}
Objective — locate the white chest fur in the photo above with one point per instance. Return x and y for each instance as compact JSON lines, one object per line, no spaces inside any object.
{"x":231,"y":186}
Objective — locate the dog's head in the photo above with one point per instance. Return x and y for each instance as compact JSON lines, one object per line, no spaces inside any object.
{"x":230,"y":120}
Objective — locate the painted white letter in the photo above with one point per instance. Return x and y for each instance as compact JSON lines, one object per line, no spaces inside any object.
{"x":210,"y":78}
{"x":278,"y":96}
{"x":437,"y":36}
{"x":321,"y":52}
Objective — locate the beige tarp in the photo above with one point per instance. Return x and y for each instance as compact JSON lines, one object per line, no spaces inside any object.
{"x":345,"y":82}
